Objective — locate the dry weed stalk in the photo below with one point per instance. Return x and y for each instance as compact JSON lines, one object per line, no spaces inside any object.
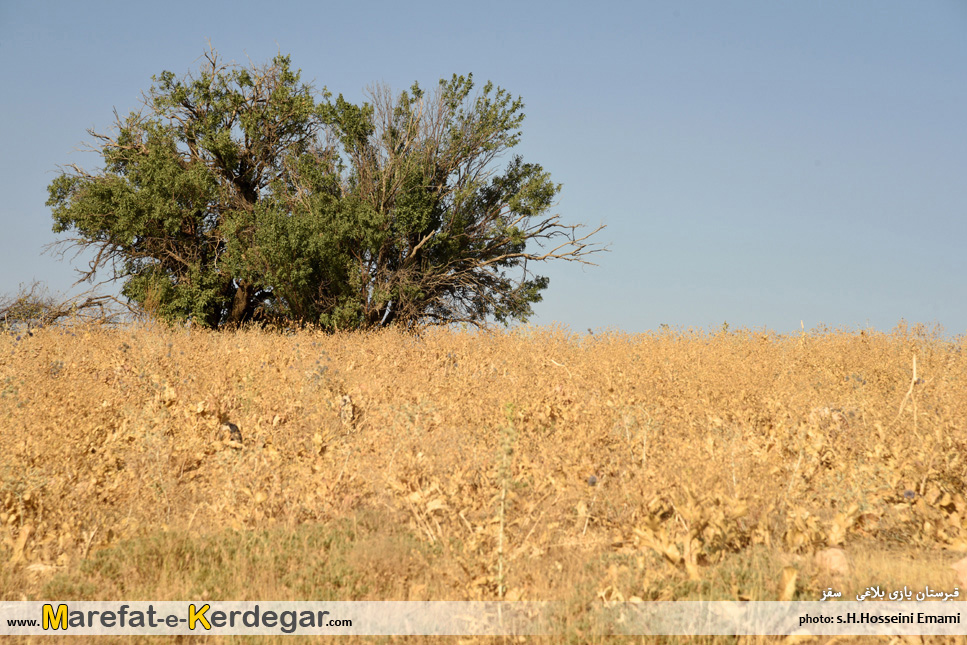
{"x":504,"y":472}
{"x":913,"y":382}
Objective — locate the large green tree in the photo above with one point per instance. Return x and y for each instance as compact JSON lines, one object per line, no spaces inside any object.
{"x":240,"y":194}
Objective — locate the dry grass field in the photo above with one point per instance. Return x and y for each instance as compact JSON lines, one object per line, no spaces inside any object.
{"x":534,"y":464}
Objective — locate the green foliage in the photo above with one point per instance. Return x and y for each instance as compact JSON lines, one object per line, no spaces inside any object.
{"x":243,"y":194}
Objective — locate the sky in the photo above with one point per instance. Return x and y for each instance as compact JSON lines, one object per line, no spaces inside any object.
{"x":762,"y":164}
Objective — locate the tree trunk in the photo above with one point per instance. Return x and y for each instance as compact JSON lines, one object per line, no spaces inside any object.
{"x":240,"y":305}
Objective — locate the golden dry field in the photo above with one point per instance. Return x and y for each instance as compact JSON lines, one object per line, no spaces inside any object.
{"x":533,"y":464}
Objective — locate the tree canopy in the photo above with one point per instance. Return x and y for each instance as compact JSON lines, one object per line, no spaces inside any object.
{"x":239,"y":194}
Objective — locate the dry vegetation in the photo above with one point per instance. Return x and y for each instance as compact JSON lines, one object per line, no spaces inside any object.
{"x":533,"y":465}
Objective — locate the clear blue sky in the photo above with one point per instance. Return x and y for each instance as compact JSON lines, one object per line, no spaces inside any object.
{"x":759,"y":163}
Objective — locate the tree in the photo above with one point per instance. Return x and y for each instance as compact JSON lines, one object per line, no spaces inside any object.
{"x":242,"y":194}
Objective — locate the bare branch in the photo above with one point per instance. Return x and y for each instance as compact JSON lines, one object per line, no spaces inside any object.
{"x":32,"y":307}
